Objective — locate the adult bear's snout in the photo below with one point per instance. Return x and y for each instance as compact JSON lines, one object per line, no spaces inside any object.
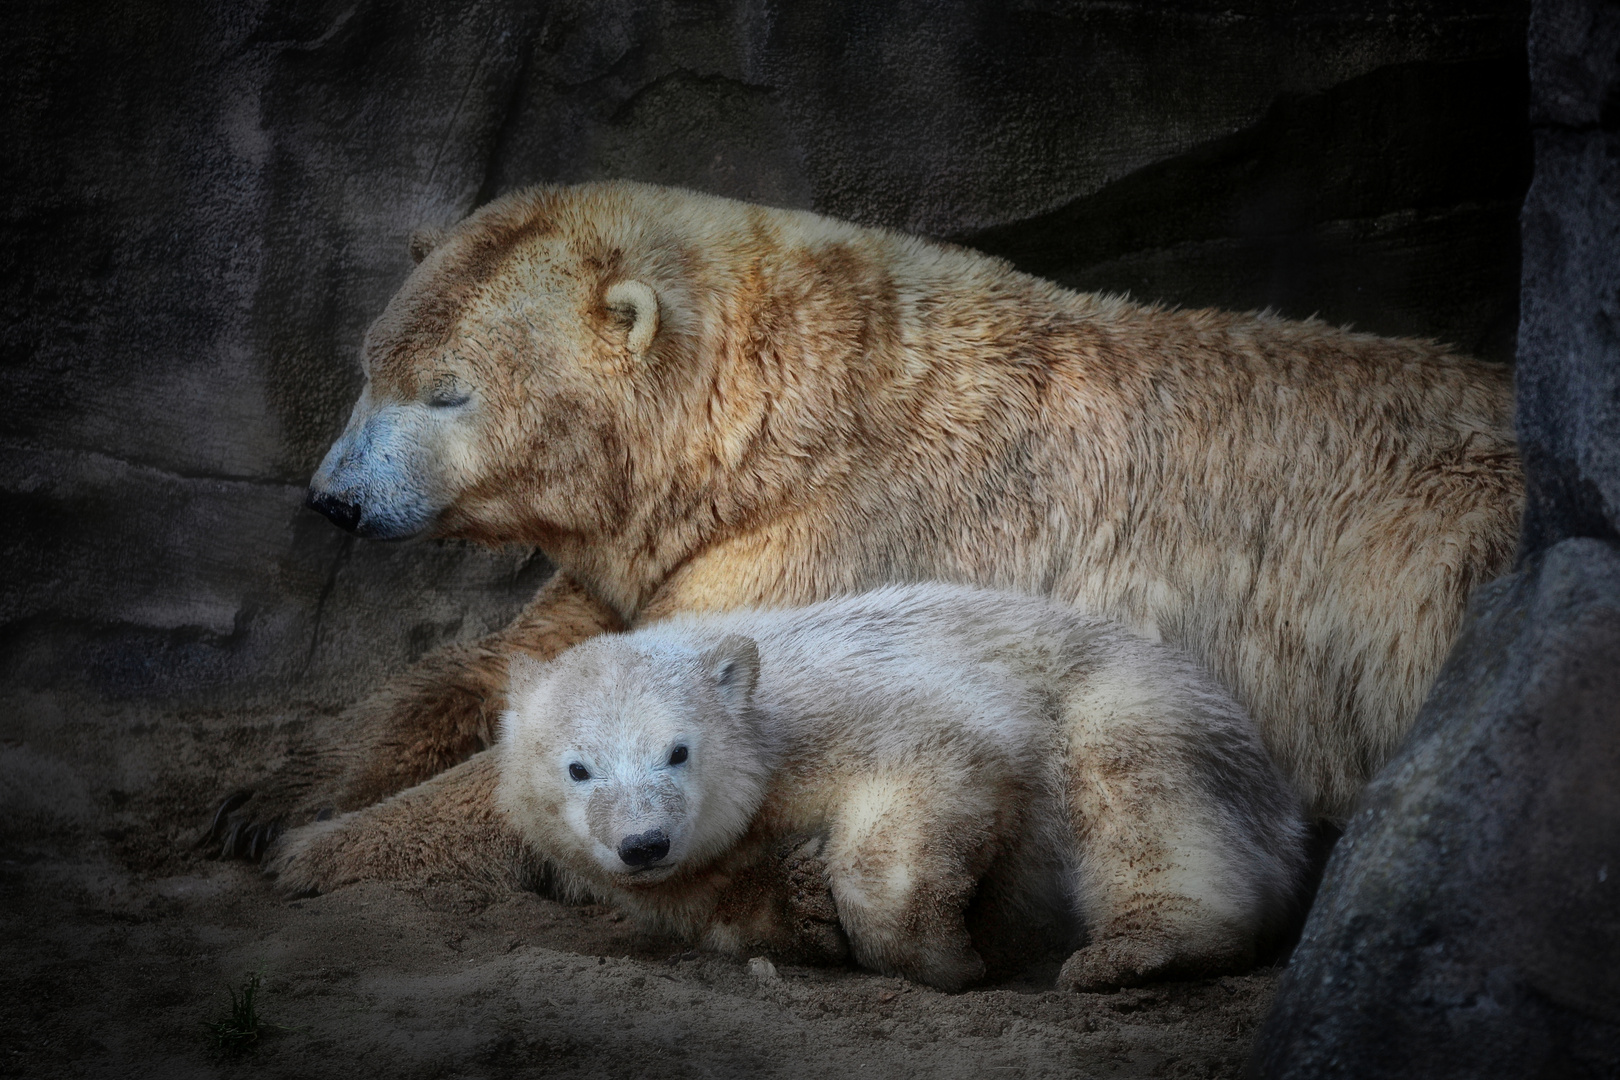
{"x":345,"y":516}
{"x":644,"y":848}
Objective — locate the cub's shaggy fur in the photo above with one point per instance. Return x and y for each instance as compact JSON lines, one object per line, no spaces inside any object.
{"x":692,"y":404}
{"x":943,"y":748}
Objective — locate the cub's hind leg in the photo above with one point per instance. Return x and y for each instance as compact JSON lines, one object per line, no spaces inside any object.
{"x":904,"y":860}
{"x":1189,"y":843}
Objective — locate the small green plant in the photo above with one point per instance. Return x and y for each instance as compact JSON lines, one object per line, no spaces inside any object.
{"x":238,"y":1031}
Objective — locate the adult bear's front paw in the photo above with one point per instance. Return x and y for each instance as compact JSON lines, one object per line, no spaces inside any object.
{"x":323,"y":856}
{"x":246,"y":824}
{"x":445,"y":830}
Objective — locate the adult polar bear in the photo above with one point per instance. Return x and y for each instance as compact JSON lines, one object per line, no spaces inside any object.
{"x":696,"y":404}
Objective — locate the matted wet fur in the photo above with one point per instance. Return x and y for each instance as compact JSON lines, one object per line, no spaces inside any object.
{"x":693,"y":404}
{"x":929,"y":749}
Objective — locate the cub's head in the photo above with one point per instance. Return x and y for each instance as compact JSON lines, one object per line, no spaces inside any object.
{"x":515,"y":383}
{"x":633,"y":757}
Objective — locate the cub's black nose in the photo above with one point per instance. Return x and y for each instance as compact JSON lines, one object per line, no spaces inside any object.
{"x":644,"y":848}
{"x":345,"y":516}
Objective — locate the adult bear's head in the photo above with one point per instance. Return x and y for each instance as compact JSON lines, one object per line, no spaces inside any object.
{"x":534,"y":373}
{"x":616,"y":373}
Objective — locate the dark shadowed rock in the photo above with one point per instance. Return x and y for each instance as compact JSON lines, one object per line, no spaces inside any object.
{"x":1469,"y":921}
{"x":1380,"y":202}
{"x":1569,"y":373}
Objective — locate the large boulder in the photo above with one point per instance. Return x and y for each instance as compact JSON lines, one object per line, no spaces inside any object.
{"x":1569,"y":333}
{"x":1469,"y":921}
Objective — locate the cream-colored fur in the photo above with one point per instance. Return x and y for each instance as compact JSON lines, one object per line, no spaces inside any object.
{"x":823,"y":408}
{"x":923,"y":739}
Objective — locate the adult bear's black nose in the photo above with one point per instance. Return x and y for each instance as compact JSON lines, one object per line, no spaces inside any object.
{"x":345,"y":516}
{"x":644,"y":848}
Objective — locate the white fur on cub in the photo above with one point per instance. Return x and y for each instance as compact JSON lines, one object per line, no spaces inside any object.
{"x":972,"y":772}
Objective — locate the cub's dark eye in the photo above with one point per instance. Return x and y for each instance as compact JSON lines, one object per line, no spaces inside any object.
{"x":677,"y":755}
{"x":579,"y":772}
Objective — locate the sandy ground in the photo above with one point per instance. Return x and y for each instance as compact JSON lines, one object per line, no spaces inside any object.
{"x":120,"y":940}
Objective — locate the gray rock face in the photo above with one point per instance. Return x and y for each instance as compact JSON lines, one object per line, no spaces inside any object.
{"x":206,"y":203}
{"x":1469,"y":922}
{"x":1569,"y":370}
{"x":1305,"y":203}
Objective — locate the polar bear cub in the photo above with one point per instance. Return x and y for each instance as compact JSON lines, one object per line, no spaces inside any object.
{"x":963,"y":770}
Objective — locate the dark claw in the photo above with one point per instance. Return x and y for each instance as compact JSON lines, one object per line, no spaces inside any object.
{"x":242,"y":838}
{"x":232,"y":846}
{"x":262,"y":837}
{"x":222,"y":815}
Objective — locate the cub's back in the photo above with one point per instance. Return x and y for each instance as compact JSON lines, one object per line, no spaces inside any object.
{"x":909,"y":668}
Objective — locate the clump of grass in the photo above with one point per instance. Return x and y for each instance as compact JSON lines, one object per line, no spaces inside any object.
{"x":238,"y":1031}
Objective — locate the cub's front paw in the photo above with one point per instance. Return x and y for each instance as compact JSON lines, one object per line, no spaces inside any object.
{"x":780,"y":903}
{"x":949,"y":969}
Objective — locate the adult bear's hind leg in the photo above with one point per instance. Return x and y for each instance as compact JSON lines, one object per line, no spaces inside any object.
{"x":421,"y":722}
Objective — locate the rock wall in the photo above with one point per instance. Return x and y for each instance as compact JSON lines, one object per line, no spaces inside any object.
{"x":1469,"y":922}
{"x":206,"y":203}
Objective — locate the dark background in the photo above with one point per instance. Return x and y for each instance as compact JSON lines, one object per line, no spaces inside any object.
{"x":205,"y":204}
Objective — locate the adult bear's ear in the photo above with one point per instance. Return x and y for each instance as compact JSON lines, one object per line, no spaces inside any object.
{"x":424,"y":240}
{"x":637,"y":304}
{"x":734,"y":666}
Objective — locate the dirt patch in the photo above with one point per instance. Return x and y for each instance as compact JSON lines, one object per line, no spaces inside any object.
{"x":120,"y":941}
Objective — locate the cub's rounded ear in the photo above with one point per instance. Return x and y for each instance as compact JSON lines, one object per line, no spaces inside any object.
{"x":637,"y":304}
{"x":425,"y":239}
{"x":523,"y":673}
{"x":734,"y":666}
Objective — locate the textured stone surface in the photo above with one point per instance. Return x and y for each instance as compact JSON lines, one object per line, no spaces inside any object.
{"x":1386,"y":202}
{"x":1469,"y":921}
{"x":1569,"y":371}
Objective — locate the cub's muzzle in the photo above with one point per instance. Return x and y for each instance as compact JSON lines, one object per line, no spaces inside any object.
{"x":644,"y":849}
